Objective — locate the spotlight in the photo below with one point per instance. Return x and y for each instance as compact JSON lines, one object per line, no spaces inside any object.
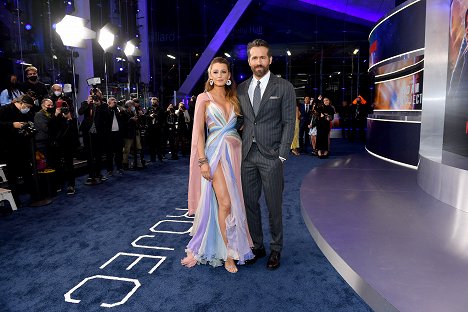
{"x":356,"y":51}
{"x":227,"y":54}
{"x":121,"y":69}
{"x":288,"y":53}
{"x":72,"y":31}
{"x":106,"y":38}
{"x":28,"y":27}
{"x":171,"y":56}
{"x":129,"y":49}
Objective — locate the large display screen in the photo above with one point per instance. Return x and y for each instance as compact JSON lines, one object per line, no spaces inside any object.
{"x":456,"y":109}
{"x":403,"y":93}
{"x":400,"y":33}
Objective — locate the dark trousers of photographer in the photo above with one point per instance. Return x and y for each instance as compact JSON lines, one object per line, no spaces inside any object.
{"x":18,"y":165}
{"x":114,"y":151}
{"x":93,"y":143}
{"x":155,"y":143}
{"x":359,"y":129}
{"x":171,"y":138}
{"x":66,"y":172}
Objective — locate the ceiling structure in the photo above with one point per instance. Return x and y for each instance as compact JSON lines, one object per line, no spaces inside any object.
{"x":320,"y":34}
{"x":367,"y":10}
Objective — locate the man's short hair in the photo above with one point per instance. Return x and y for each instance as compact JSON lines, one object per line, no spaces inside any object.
{"x":30,"y":68}
{"x":258,"y":43}
{"x":56,"y":85}
{"x":129,"y":103}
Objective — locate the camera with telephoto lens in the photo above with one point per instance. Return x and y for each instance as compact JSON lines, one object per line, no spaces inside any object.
{"x":28,"y":129}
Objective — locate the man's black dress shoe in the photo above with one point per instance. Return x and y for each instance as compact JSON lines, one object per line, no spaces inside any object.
{"x":274,"y":260}
{"x":258,"y":253}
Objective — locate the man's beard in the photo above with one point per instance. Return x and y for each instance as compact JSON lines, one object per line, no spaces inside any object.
{"x":260,"y":70}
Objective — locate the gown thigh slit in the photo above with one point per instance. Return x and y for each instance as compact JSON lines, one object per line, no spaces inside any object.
{"x":223,"y":149}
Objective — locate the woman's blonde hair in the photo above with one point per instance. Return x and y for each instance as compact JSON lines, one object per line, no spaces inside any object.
{"x":231,"y":90}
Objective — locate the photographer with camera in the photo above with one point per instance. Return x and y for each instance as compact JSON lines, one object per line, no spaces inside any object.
{"x":16,"y":133}
{"x":60,"y":99}
{"x":359,"y":118}
{"x":130,"y":134}
{"x":115,"y":143}
{"x":156,"y":120}
{"x":94,"y":130}
{"x":324,"y":114}
{"x":67,"y":138}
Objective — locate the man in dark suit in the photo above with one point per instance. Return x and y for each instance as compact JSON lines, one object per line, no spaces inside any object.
{"x":305,"y":111}
{"x":269,"y":108}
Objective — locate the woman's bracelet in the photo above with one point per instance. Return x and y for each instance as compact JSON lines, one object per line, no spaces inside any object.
{"x":202,"y":161}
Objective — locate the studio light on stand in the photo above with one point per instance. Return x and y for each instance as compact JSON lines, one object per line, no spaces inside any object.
{"x":73,"y":32}
{"x":106,"y":40}
{"x":130,"y":51}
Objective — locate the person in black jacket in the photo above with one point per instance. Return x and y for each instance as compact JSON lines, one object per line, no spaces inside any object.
{"x":115,"y":139}
{"x":68,"y":142}
{"x":94,"y":130}
{"x":324,"y":113}
{"x":15,"y":143}
{"x":32,"y":84}
{"x":156,"y":123}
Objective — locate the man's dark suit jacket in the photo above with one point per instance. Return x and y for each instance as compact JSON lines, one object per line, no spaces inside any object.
{"x":273,"y":126}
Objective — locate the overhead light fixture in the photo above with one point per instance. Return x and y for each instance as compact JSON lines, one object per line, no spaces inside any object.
{"x":129,"y":48}
{"x":356,"y":51}
{"x":106,"y":38}
{"x":171,"y":56}
{"x":72,"y":31}
{"x":227,"y":54}
{"x":288,"y":53}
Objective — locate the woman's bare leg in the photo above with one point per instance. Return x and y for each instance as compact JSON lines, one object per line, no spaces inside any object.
{"x":224,"y":209}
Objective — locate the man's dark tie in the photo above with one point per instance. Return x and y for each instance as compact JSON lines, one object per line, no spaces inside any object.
{"x":307,"y":108}
{"x":257,"y":96}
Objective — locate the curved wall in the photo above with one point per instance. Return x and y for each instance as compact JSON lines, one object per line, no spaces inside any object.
{"x":441,"y":174}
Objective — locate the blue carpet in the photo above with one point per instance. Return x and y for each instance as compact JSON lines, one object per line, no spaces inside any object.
{"x":46,"y":251}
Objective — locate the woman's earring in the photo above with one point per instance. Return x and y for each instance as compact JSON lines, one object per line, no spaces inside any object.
{"x":211,"y":82}
{"x":228,"y":83}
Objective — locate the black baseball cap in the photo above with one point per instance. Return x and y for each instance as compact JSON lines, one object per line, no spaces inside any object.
{"x":26,"y":99}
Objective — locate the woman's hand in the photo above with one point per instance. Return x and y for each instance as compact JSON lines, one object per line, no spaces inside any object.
{"x":205,"y":172}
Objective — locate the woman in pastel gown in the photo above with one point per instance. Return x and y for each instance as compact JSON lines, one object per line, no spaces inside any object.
{"x":220,"y":232}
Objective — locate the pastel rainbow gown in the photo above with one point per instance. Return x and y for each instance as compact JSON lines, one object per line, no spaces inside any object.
{"x":222,"y":148}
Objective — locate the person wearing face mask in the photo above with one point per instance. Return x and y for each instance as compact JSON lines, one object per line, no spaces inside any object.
{"x":11,"y":92}
{"x":33,"y":84}
{"x":44,"y":121}
{"x":15,"y":148}
{"x":59,"y":99}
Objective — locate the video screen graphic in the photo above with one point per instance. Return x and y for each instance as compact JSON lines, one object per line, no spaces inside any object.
{"x":456,"y":109}
{"x":404,"y":93}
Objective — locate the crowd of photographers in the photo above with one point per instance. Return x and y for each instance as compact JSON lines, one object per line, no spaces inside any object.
{"x":39,"y":133}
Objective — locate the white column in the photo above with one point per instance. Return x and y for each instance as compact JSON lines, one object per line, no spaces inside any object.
{"x":144,"y":46}
{"x":84,"y":63}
